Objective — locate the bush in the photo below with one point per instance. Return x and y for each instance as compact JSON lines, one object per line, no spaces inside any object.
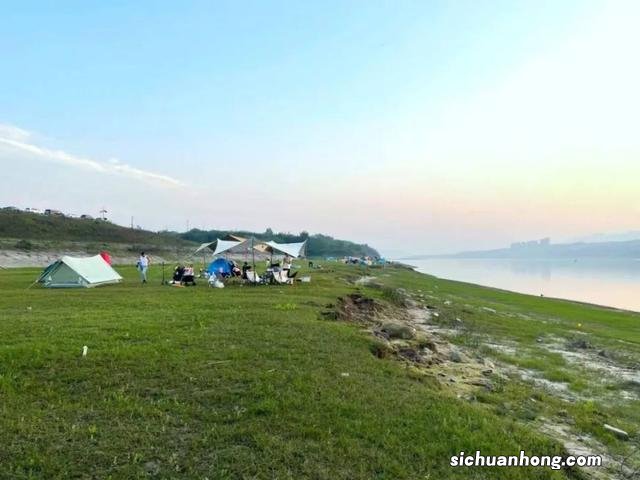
{"x":24,"y":245}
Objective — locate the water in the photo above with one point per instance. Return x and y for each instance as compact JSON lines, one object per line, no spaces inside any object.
{"x":610,"y":282}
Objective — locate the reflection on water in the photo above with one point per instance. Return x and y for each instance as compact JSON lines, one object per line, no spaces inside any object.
{"x":611,"y":282}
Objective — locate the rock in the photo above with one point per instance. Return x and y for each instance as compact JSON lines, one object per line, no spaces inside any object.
{"x":603,"y":353}
{"x":487,"y":372}
{"x":489,"y":363}
{"x":459,"y":322}
{"x":539,"y":340}
{"x":447,"y":302}
{"x":152,"y":468}
{"x":490,"y":310}
{"x":481,"y":382}
{"x":452,"y":380}
{"x":621,"y":434}
{"x":457,"y":356}
{"x":398,"y":330}
{"x":580,"y":343}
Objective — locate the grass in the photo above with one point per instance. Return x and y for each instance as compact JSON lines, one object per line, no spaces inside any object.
{"x":252,"y":382}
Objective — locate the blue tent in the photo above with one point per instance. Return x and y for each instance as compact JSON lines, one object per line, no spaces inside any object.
{"x":219,"y":265}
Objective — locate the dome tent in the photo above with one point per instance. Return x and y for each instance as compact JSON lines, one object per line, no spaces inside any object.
{"x":219,"y":265}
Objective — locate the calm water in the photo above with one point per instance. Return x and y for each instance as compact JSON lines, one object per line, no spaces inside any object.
{"x":611,"y":282}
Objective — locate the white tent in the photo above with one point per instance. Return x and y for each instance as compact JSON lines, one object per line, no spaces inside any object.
{"x":292,"y":249}
{"x":79,"y":272}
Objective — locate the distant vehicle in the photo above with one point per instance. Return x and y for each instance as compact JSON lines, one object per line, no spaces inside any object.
{"x":53,"y":213}
{"x":33,"y":210}
{"x":86,"y":217}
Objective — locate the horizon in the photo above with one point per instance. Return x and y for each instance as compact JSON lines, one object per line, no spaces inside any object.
{"x":415,"y":128}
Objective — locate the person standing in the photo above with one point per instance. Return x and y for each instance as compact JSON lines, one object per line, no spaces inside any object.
{"x":286,"y":263}
{"x":143,"y":266}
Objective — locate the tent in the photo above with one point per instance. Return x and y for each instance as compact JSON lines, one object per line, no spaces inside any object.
{"x":84,"y":272}
{"x":219,"y":246}
{"x":294,"y":250}
{"x":220,"y":265}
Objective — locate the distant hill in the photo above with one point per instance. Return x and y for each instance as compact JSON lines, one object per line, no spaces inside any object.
{"x":32,"y":227}
{"x":318,"y":245}
{"x":627,"y":249}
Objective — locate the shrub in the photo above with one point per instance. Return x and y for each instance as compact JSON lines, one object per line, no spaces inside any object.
{"x":24,"y":245}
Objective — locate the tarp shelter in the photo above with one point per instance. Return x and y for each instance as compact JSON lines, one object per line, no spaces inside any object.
{"x":221,"y":246}
{"x":294,"y":250}
{"x":69,"y":272}
{"x":220,"y":265}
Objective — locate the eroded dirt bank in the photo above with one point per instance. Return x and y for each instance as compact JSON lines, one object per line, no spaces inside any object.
{"x":410,"y":330}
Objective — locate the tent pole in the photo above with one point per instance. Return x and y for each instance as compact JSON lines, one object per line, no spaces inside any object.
{"x":253,"y":258}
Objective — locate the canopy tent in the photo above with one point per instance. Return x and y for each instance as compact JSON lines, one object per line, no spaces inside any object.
{"x":294,"y":250}
{"x":220,"y":265}
{"x":69,"y":272}
{"x":219,"y":246}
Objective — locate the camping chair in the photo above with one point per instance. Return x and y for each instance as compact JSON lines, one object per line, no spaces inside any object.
{"x":282,"y":278}
{"x":253,"y":277}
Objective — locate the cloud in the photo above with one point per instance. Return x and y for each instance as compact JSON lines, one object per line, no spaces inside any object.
{"x":13,"y":133}
{"x":18,"y":139}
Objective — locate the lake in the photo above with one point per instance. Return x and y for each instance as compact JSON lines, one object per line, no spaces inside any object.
{"x":610,"y":282}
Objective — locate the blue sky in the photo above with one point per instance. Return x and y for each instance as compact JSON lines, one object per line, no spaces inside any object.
{"x":368,"y":120}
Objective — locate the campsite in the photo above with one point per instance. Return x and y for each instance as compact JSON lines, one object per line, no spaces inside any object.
{"x":338,"y":240}
{"x":273,"y":381}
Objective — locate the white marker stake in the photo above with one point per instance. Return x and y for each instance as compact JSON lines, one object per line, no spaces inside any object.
{"x":85,"y":349}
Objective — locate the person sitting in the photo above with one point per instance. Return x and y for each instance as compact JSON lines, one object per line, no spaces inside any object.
{"x":178,"y":272}
{"x":235,"y":270}
{"x":188,"y":277}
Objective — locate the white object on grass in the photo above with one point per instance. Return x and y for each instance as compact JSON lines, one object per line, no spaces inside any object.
{"x":85,"y":349}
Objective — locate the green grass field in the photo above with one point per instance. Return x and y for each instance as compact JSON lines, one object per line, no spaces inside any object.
{"x":252,"y":382}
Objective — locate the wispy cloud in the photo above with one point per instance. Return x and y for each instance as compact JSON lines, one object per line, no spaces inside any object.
{"x":18,"y":139}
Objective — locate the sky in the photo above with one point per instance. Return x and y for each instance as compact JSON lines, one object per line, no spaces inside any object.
{"x":415,"y":126}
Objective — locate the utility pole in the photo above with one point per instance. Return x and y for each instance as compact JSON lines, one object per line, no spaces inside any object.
{"x":131,"y":222}
{"x":103,"y":213}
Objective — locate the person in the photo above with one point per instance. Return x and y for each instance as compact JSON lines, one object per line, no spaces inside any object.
{"x":235,"y":270}
{"x":143,"y":266}
{"x":286,"y":263}
{"x":178,"y":272}
{"x":188,"y":276}
{"x":245,"y":267}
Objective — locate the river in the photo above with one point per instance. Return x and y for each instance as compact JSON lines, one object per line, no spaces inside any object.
{"x":603,"y":281}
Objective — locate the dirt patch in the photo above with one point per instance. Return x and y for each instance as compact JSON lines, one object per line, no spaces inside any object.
{"x":356,"y":308}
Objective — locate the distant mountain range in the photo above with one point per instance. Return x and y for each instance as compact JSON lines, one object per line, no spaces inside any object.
{"x":545,"y":249}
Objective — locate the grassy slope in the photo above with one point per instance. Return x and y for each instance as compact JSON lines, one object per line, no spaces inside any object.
{"x":239,"y":383}
{"x":21,"y":225}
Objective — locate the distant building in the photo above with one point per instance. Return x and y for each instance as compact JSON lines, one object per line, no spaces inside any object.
{"x":544,"y":242}
{"x":53,"y":213}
